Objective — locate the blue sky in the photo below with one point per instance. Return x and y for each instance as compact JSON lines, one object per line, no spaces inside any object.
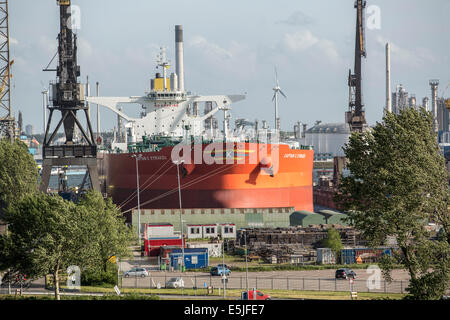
{"x":232,"y":47}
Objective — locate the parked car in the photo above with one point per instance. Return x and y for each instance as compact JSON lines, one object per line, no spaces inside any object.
{"x":259,"y":295}
{"x":136,"y":272}
{"x":220,"y":271}
{"x":175,"y":283}
{"x":345,"y":273}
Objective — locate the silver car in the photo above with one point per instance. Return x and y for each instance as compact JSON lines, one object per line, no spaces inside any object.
{"x":175,"y":283}
{"x":136,"y":272}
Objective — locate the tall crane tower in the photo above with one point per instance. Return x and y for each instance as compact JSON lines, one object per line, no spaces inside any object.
{"x":355,"y":117}
{"x":6,"y":117}
{"x":68,"y":99}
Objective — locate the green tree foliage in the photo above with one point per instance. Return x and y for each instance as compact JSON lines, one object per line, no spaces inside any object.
{"x":333,"y":241}
{"x":399,"y":183}
{"x":18,"y":172}
{"x":112,"y":236}
{"x":46,"y":235}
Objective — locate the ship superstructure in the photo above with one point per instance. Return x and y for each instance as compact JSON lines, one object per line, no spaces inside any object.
{"x":168,"y":110}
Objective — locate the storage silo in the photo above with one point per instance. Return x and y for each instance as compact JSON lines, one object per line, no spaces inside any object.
{"x":328,"y":139}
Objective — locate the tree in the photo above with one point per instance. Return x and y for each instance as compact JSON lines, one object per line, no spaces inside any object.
{"x":112,"y":236}
{"x":398,"y":183}
{"x":333,"y":241}
{"x":46,"y":235}
{"x":18,"y":173}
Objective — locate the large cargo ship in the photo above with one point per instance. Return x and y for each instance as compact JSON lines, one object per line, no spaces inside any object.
{"x":172,"y":148}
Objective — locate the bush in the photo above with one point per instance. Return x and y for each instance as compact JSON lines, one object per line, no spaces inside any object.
{"x":100,"y":278}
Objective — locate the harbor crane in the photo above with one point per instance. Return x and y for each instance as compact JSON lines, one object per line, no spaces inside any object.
{"x":355,"y":116}
{"x":68,"y":98}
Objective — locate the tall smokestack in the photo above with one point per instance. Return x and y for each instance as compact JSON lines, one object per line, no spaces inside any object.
{"x":179,"y":68}
{"x":425,"y":103}
{"x":434,"y":87}
{"x":388,"y":78}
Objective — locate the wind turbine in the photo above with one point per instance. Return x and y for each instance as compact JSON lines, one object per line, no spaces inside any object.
{"x":277,"y":89}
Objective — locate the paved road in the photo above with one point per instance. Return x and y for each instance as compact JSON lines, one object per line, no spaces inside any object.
{"x":322,"y":280}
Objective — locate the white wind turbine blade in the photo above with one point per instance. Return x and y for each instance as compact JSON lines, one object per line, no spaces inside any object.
{"x":283,"y":93}
{"x":276,"y":76}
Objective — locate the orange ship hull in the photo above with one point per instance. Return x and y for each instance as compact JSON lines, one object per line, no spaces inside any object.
{"x":247,"y":178}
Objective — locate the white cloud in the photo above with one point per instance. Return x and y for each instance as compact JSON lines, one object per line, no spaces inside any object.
{"x":304,"y":41}
{"x":48,"y":45}
{"x":300,"y":40}
{"x":84,"y":47}
{"x":297,"y":18}
{"x":209,"y":48}
{"x":235,"y":59}
{"x":417,"y":57}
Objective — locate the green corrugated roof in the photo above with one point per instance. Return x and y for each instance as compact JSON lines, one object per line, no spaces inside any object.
{"x":305,"y":218}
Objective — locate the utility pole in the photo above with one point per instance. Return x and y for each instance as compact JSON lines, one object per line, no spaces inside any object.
{"x":138,"y":200}
{"x":181,"y":219}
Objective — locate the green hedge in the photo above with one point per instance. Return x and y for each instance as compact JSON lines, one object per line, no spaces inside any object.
{"x":100,"y":278}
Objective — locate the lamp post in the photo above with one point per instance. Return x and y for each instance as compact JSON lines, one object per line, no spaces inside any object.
{"x":224,"y":277}
{"x":246,"y":253}
{"x":181,"y":221}
{"x":138,"y":199}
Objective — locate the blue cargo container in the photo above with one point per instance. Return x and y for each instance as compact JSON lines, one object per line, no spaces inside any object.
{"x":348,"y":256}
{"x":194,"y":258}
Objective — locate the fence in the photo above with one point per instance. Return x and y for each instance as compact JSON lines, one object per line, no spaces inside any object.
{"x":275,"y":283}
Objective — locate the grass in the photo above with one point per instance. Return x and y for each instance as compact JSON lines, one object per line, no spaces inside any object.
{"x":236,"y":293}
{"x":232,"y":294}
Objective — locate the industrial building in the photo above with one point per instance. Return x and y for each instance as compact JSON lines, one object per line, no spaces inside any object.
{"x":333,"y":217}
{"x":203,"y":231}
{"x":158,"y":235}
{"x":327,"y":139}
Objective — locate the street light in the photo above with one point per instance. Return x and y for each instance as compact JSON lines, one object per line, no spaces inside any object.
{"x":138,"y":198}
{"x":224,"y":276}
{"x":246,"y":253}
{"x":178,"y":162}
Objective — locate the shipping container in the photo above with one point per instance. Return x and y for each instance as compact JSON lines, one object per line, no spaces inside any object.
{"x":325,"y":256}
{"x":367,"y":255}
{"x":348,"y":256}
{"x":194,"y":258}
{"x":153,"y":246}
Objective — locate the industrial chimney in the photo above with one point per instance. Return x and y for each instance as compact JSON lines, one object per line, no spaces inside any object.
{"x":179,"y":68}
{"x":434,"y":87}
{"x":388,"y":78}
